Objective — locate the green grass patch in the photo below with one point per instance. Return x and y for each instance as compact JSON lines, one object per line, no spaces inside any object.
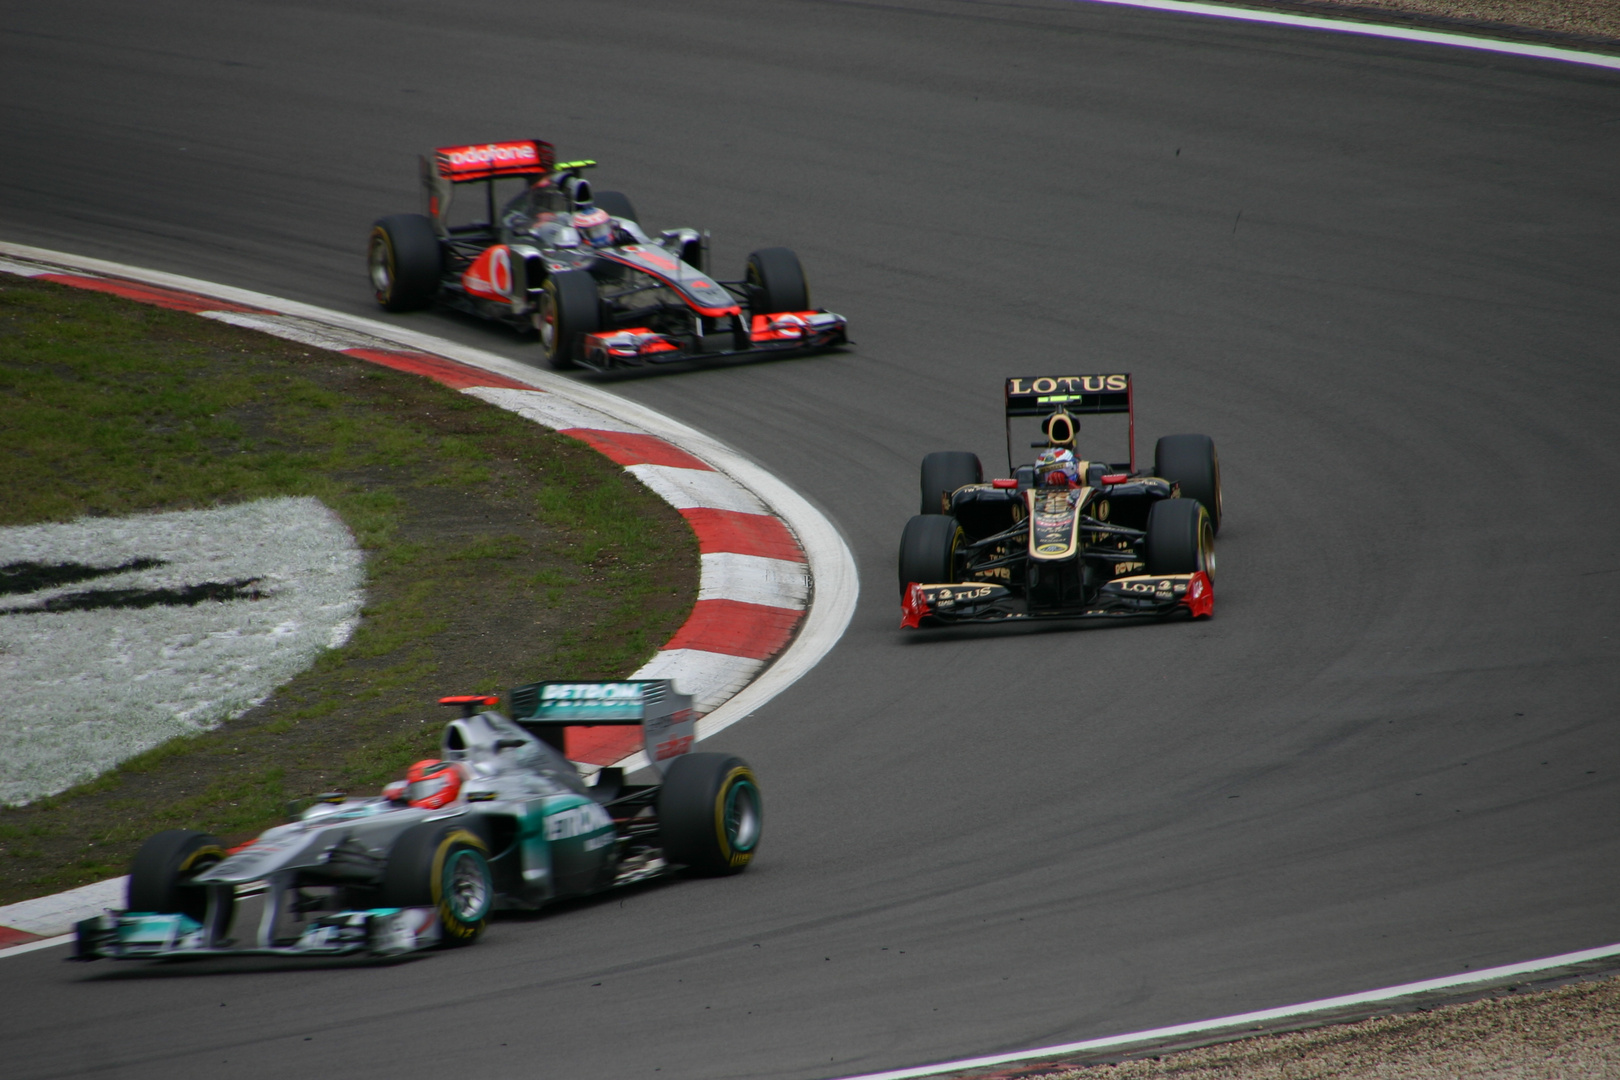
{"x":497,"y":552}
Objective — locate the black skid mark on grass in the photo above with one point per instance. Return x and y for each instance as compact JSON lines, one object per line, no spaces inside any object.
{"x":185,"y":596}
{"x":27,"y":577}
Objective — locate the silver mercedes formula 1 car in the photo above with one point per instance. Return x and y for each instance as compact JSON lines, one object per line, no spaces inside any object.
{"x":503,"y":821}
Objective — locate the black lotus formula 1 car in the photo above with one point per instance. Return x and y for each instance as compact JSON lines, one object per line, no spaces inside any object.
{"x":1063,"y":537}
{"x":504,"y":820}
{"x":575,"y":265}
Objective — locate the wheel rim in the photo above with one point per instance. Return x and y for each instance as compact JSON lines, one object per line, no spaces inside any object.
{"x":742,"y":816}
{"x":1206,"y":546}
{"x":381,"y":264}
{"x":466,"y":891}
{"x":545,"y":321}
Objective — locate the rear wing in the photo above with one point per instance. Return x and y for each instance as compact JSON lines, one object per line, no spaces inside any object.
{"x":453,"y":165}
{"x":1043,"y":395}
{"x":668,"y":724}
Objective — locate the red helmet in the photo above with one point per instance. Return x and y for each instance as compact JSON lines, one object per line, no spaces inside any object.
{"x":432,"y":785}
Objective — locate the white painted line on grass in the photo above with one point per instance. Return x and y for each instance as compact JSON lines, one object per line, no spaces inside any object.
{"x":1347,"y":26}
{"x":1201,"y":1027}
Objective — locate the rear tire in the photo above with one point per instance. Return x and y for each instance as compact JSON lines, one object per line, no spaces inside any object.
{"x":710,"y":814}
{"x":569,"y":309}
{"x":928,"y":550}
{"x":1180,"y":538}
{"x":618,"y":204}
{"x":405,"y":262}
{"x":164,"y":864}
{"x":775,"y":282}
{"x":1191,"y":461}
{"x":445,"y":867}
{"x":942,"y":473}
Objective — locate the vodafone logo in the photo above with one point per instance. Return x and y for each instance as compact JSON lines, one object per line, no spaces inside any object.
{"x":500,"y":271}
{"x":493,"y":154}
{"x":490,"y":275}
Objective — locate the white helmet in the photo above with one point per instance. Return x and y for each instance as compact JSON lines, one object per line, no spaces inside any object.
{"x":1057,"y":466}
{"x":595,"y":227}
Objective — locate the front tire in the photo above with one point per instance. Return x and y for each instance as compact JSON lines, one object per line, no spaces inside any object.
{"x":928,"y":549}
{"x":1191,"y":462}
{"x":710,"y":814}
{"x":445,"y":867}
{"x":163,"y":867}
{"x":775,"y":282}
{"x":569,"y":309}
{"x":942,"y":473}
{"x":618,"y":204}
{"x":405,"y":262}
{"x":1180,"y":538}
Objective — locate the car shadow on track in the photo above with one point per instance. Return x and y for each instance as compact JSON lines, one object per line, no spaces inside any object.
{"x":975,"y":631}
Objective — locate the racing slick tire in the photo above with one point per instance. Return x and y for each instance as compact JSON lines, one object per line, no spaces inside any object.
{"x":1191,"y":461}
{"x":943,"y":472}
{"x":569,"y":309}
{"x":710,"y":813}
{"x":618,"y":204}
{"x":164,"y":864}
{"x":1180,"y":538}
{"x":928,"y":550}
{"x":445,"y":867}
{"x":405,"y":262}
{"x":774,"y":282}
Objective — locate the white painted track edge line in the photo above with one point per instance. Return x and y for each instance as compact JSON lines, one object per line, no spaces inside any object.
{"x":1348,"y":26}
{"x":1367,"y":997}
{"x":35,"y":946}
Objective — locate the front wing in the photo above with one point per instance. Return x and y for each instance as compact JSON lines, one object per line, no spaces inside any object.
{"x":133,"y":935}
{"x":1139,"y":595}
{"x":765,"y":335}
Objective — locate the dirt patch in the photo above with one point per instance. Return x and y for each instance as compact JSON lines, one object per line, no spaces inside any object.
{"x":1578,"y":24}
{"x":497,"y":552}
{"x":1571,"y":1031}
{"x":1551,"y":1035}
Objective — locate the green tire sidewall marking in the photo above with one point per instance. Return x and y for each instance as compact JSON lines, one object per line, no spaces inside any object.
{"x":737,"y":779}
{"x":443,"y":866}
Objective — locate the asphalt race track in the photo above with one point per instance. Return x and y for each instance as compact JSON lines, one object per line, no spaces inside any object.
{"x":1383,"y":276}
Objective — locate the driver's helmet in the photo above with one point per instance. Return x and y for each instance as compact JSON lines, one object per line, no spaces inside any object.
{"x":432,"y":785}
{"x":1056,"y":467}
{"x":595,"y":227}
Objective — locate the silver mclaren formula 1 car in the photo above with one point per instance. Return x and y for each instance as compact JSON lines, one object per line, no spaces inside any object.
{"x":575,"y":263}
{"x":501,"y":820}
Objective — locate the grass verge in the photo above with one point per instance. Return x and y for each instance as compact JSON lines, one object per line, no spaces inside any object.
{"x":497,"y":552}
